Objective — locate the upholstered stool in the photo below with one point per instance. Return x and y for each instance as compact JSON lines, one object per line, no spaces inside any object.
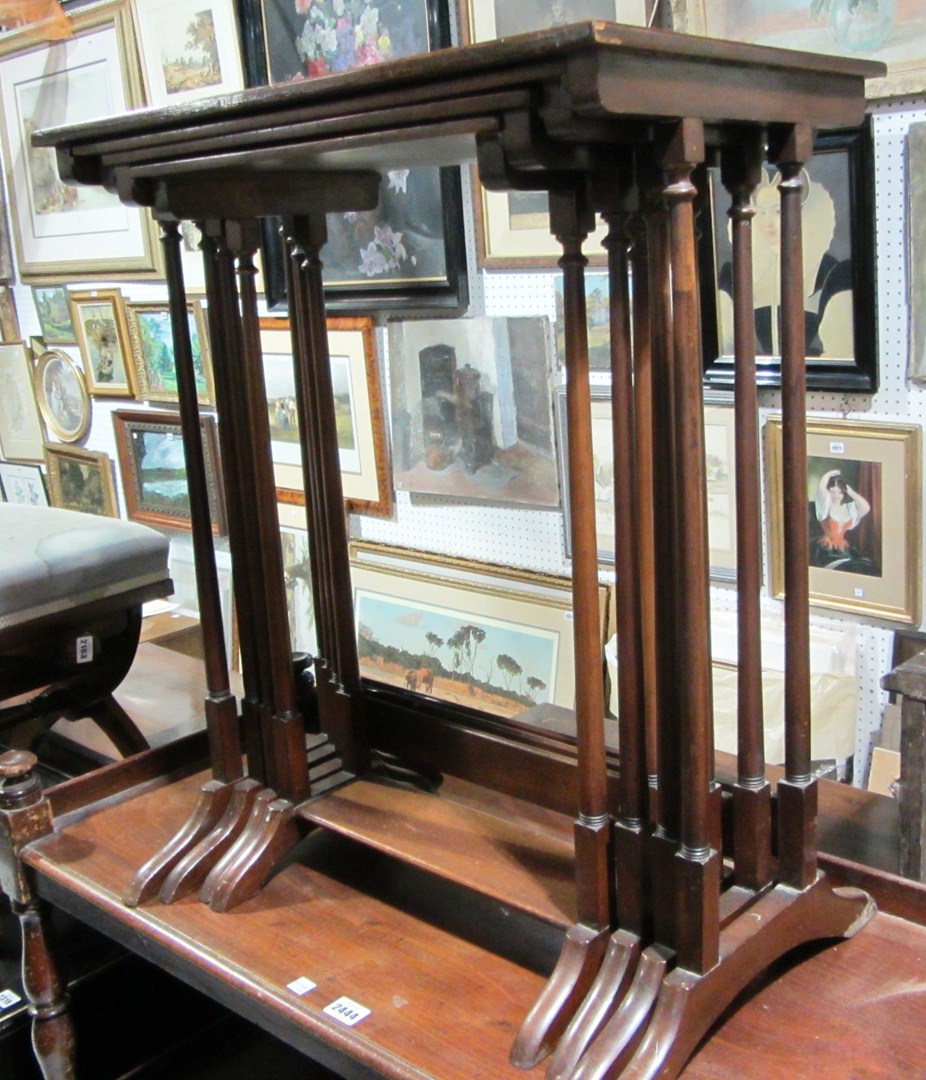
{"x":71,"y":590}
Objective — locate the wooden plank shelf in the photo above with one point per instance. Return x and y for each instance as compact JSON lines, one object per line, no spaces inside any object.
{"x":503,"y":848}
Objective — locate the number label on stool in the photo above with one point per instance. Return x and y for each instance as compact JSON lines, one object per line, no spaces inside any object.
{"x":346,"y":1011}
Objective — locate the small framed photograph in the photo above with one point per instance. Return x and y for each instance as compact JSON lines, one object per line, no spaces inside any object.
{"x":22,"y":433}
{"x":863,"y":516}
{"x":152,"y":349}
{"x":81,"y":480}
{"x":54,"y":312}
{"x":189,"y":49}
{"x":62,"y":395}
{"x":838,"y":225}
{"x":362,"y":449}
{"x":23,"y":484}
{"x":500,"y":641}
{"x":153,"y":468}
{"x":99,"y":324}
{"x":472,"y":409}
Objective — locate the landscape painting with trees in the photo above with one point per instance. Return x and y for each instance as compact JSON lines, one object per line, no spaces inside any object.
{"x":486,"y":663}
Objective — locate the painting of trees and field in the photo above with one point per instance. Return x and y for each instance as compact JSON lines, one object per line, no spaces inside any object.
{"x":488,"y":664}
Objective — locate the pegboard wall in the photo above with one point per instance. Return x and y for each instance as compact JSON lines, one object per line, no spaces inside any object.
{"x":534,"y":539}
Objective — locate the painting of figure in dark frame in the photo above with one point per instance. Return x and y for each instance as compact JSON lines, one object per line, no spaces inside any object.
{"x":409,"y":252}
{"x":838,"y":269}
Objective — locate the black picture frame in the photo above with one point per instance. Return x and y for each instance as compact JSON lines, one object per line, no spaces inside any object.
{"x":842,"y":166}
{"x":445,"y":293}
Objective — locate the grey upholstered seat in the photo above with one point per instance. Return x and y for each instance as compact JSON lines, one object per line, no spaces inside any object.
{"x":53,"y":560}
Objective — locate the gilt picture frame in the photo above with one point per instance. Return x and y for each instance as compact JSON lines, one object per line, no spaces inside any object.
{"x":153,"y":468}
{"x":81,"y":480}
{"x":61,"y":391}
{"x":22,"y":430}
{"x":839,"y":270}
{"x":152,"y":351}
{"x":362,"y":444}
{"x":63,"y":231}
{"x":493,"y":639}
{"x":98,"y":318}
{"x":863,"y":512}
{"x":409,"y":254}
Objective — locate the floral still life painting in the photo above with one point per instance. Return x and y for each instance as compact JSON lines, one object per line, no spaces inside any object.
{"x":402,"y":240}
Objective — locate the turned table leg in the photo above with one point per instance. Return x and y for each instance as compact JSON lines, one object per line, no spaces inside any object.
{"x":25,"y":815}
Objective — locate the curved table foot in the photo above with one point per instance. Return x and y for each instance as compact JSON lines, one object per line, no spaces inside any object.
{"x":603,"y":998}
{"x":191,"y":870}
{"x":210,"y":806}
{"x":578,"y":963}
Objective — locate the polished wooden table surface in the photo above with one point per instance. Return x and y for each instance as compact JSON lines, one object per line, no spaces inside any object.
{"x":448,"y":973}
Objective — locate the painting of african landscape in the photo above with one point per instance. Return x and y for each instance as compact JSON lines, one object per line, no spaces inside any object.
{"x":497,"y":644}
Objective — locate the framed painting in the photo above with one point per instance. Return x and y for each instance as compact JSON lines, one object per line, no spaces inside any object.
{"x":839,"y":270}
{"x":361,"y":428}
{"x":9,"y":323}
{"x":719,"y":446}
{"x":98,"y":316}
{"x":297,"y":579}
{"x":885,"y":30}
{"x":598,"y":319}
{"x":62,"y":230}
{"x":22,"y":432}
{"x":916,"y":250}
{"x":189,"y":49}
{"x":152,"y":351}
{"x":472,"y":411}
{"x":863,"y":516}
{"x":54,"y":314}
{"x":409,"y":253}
{"x":81,"y":480}
{"x":153,"y":467}
{"x":488,"y":638}
{"x":61,"y":392}
{"x":23,"y":484}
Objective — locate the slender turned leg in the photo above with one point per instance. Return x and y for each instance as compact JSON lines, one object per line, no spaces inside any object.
{"x":25,"y":815}
{"x":220,"y":706}
{"x":797,"y":792}
{"x":741,"y":170}
{"x":587,"y":941}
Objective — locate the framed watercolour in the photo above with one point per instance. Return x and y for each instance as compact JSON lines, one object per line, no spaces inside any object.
{"x":471,"y":409}
{"x":409,"y":253}
{"x":362,"y":450}
{"x":152,"y":352}
{"x":98,"y":317}
{"x":492,"y":639}
{"x":486,"y":20}
{"x":54,"y":313}
{"x":62,"y":395}
{"x":894,"y":33}
{"x":81,"y":480}
{"x":189,"y":49}
{"x":7,"y":271}
{"x":719,"y":447}
{"x":598,"y":320}
{"x":297,"y":578}
{"x":62,"y":231}
{"x":153,"y":467}
{"x":23,"y":484}
{"x":22,"y":433}
{"x":839,"y":270}
{"x":863,"y":516}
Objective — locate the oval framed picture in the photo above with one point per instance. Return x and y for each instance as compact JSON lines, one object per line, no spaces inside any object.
{"x":62,"y":395}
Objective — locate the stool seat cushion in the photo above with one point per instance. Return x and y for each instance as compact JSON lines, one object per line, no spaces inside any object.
{"x":53,"y":560}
